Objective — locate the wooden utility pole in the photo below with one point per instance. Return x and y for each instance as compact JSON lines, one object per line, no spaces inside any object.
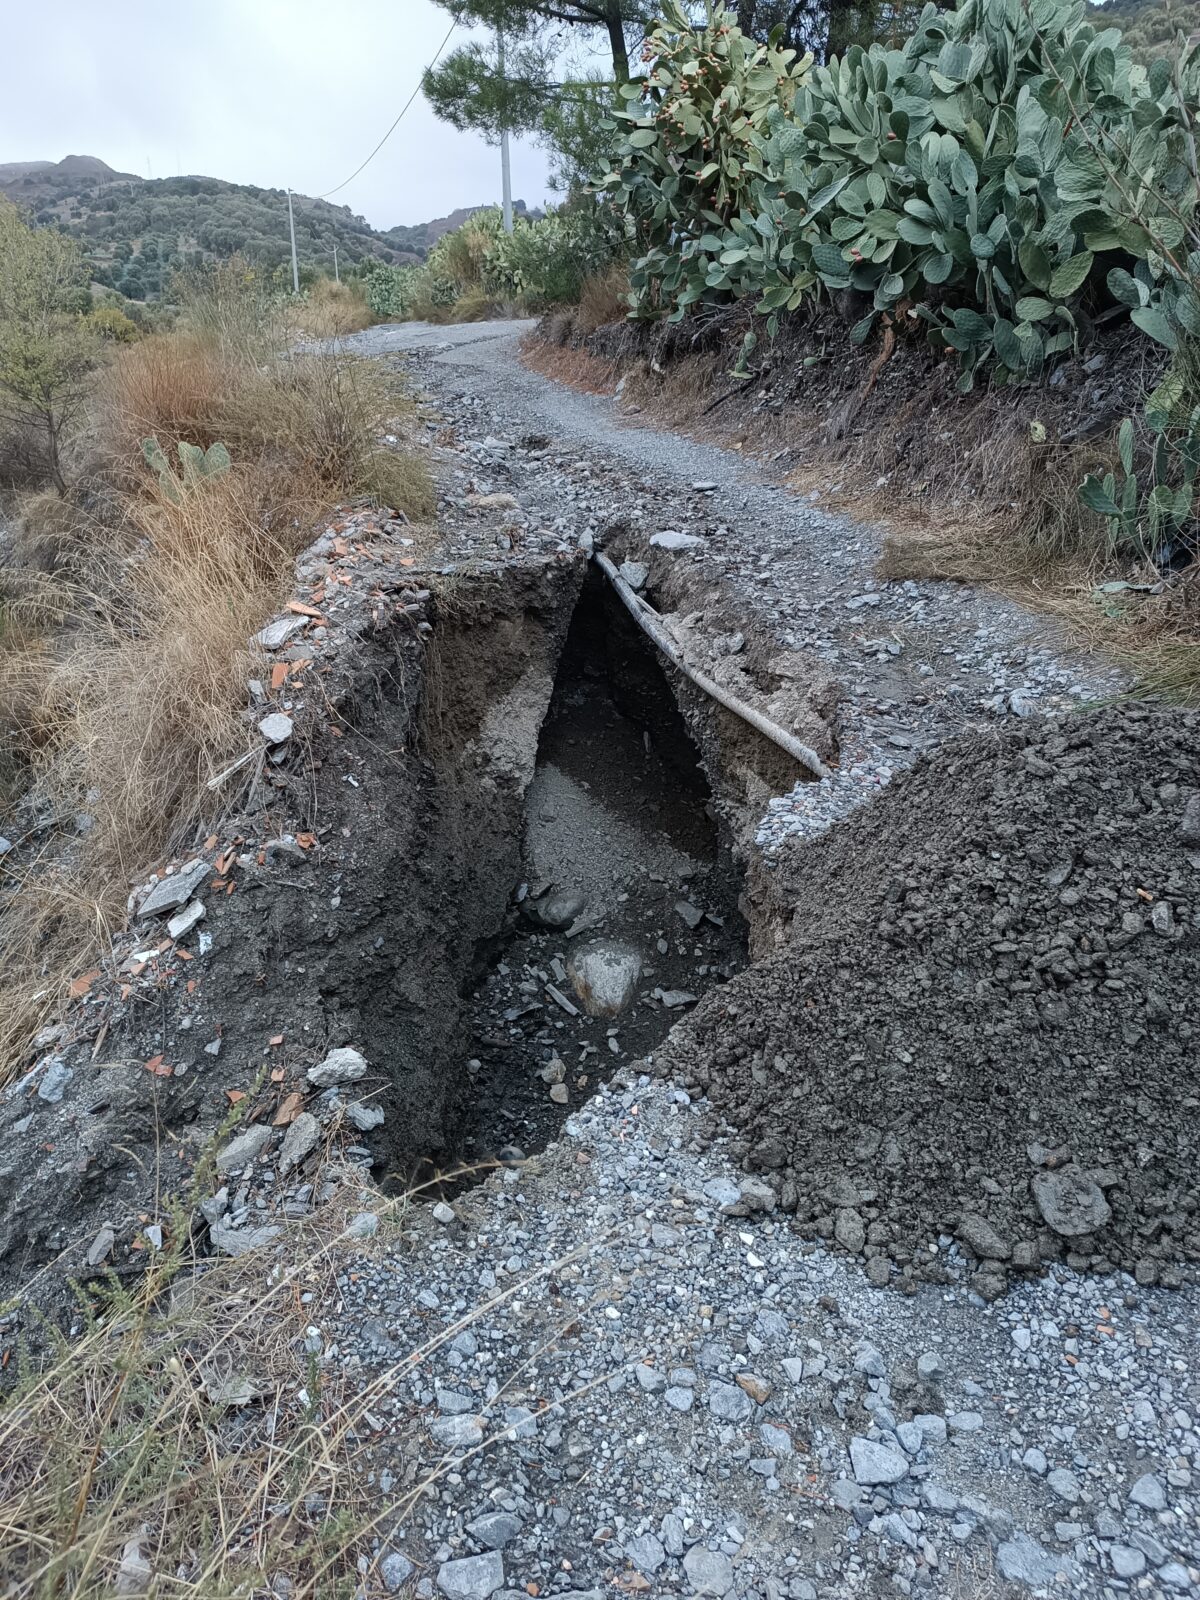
{"x":505,"y":169}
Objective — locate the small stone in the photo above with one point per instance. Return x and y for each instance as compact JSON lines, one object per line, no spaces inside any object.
{"x":457,"y":1432}
{"x":244,"y":1148}
{"x":650,"y":1379}
{"x":965,"y":1421}
{"x":669,"y":539}
{"x":1149,"y":1493}
{"x":276,"y":728}
{"x":1064,"y":1484}
{"x":1175,"y":1575}
{"x":1127,"y":1562}
{"x":679,"y":1398}
{"x":495,"y":1529}
{"x":981,"y":1239}
{"x":729,"y":1403}
{"x":101,"y":1246}
{"x":239,"y":1241}
{"x":635,"y":573}
{"x":473,"y":1577}
{"x":1189,"y":826}
{"x":691,"y":914}
{"x":364,"y":1117}
{"x":442,"y":1213}
{"x":850,"y":1231}
{"x":560,"y":1094}
{"x":1034,"y":1461}
{"x":339,"y":1066}
{"x":876,"y":1463}
{"x":776,"y":1440}
{"x":395,"y":1570}
{"x":276,"y":634}
{"x":300,"y":1140}
{"x":605,"y":976}
{"x":171,"y":892}
{"x":363,"y":1226}
{"x":1070,"y":1201}
{"x":54,"y":1081}
{"x":707,"y":1571}
{"x":646,"y":1553}
{"x":757,"y":1388}
{"x":1021,"y":1560}
{"x":184,"y":921}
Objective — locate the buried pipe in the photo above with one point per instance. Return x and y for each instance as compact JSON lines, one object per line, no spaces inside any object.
{"x":651,"y":625}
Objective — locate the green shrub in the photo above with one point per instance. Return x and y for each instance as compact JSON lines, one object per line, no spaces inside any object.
{"x":546,"y":262}
{"x":986,"y":178}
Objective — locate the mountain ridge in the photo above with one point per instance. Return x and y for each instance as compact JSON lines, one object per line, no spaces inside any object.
{"x":136,"y":231}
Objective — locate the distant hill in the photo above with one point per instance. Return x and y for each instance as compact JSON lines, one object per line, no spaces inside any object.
{"x":1150,"y":27}
{"x":137,"y":231}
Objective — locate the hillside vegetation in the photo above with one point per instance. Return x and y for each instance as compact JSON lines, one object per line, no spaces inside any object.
{"x":136,"y":232}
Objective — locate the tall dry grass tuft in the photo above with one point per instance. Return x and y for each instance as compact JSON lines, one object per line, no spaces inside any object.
{"x":331,"y":310}
{"x":169,"y":385}
{"x":123,"y":698}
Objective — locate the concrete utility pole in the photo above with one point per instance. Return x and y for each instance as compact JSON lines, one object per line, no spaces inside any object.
{"x":505,"y":170}
{"x":292,"y":231}
{"x":337,"y":278}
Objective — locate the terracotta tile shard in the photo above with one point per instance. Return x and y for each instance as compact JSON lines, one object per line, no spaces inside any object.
{"x":275,"y":1039}
{"x":301,"y":610}
{"x":289,"y":1109}
{"x":279,"y":674}
{"x":233,"y":1096}
{"x":277,"y":1074}
{"x":82,"y":984}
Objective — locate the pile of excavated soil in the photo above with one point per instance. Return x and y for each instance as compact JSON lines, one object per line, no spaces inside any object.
{"x":985,"y":1019}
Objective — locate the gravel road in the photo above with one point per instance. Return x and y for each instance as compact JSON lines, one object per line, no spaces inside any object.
{"x":659,"y":1387}
{"x":917,"y":662}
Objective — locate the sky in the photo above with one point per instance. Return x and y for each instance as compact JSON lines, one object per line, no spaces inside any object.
{"x":272,"y":92}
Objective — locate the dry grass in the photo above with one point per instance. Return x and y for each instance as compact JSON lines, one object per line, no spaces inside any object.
{"x":186,"y":1440}
{"x":184,"y":1436}
{"x":331,"y":310}
{"x":603,"y":299}
{"x":124,"y":646}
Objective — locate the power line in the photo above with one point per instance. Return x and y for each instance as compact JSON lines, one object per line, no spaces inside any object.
{"x":395,"y":124}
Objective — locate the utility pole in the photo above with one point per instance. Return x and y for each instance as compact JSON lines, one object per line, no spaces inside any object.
{"x":337,"y":277}
{"x":292,"y":231}
{"x":505,"y":171}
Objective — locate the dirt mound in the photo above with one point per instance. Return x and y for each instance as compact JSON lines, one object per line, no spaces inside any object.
{"x":985,"y":1018}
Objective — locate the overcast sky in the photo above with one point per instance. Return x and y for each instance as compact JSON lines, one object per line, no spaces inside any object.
{"x":271,"y":92}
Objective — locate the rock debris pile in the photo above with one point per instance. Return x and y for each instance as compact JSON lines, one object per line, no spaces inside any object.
{"x":984,"y":1020}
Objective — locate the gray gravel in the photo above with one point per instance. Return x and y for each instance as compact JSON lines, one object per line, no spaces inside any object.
{"x":918,"y":662}
{"x":684,"y":1389}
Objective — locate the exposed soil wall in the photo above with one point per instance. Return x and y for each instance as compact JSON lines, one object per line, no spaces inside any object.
{"x":407,"y":790}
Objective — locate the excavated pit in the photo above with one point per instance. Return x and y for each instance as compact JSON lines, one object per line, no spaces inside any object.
{"x":617,"y":859}
{"x":623,"y":869}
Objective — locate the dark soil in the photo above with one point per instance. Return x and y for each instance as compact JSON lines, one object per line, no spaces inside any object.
{"x":620,"y":814}
{"x":992,"y":972}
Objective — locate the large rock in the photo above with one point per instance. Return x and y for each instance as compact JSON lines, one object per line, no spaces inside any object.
{"x":605,"y":976}
{"x":1071,"y":1202}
